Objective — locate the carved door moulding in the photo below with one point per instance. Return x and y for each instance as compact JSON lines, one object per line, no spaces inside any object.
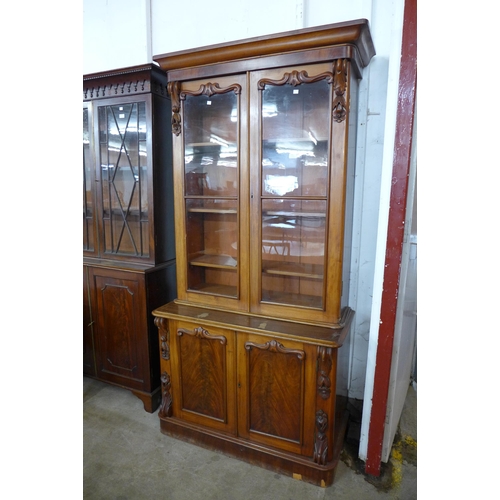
{"x":275,"y":346}
{"x":201,"y":333}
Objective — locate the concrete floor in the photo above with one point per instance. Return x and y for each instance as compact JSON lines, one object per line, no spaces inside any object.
{"x":126,"y":457}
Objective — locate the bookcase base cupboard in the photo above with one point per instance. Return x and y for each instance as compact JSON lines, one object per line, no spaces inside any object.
{"x":263,"y":139}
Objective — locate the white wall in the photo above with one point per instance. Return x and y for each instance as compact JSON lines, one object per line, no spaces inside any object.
{"x":175,"y":30}
{"x":244,"y":19}
{"x":119,"y":33}
{"x":116,"y":34}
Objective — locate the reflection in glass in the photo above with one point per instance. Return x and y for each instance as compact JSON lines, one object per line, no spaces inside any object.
{"x":295,"y":127}
{"x":295,"y":150}
{"x":211,"y":153}
{"x":293,"y":251}
{"x":211,"y":192}
{"x":123,"y":163}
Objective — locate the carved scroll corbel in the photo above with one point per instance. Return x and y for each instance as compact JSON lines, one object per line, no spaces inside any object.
{"x":166,"y":397}
{"x":339,"y":89}
{"x":324,"y":363}
{"x":164,"y":347}
{"x":162,"y":325}
{"x":176,"y":96}
{"x":173,"y":89}
{"x":321,"y":443}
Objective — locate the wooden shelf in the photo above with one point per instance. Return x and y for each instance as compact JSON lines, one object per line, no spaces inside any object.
{"x":282,"y":213}
{"x":311,"y":271}
{"x":218,"y":261}
{"x":203,"y":210}
{"x":203,"y":144}
{"x":295,"y":299}
{"x":215,"y":289}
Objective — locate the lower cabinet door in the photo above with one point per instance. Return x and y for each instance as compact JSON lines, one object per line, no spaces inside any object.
{"x":120,"y":327}
{"x":203,"y":375}
{"x":276,"y":392}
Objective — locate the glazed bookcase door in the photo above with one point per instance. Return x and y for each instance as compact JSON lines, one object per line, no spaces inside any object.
{"x":297,"y":193}
{"x":124,"y":178}
{"x":89,"y":202}
{"x":210,"y":171}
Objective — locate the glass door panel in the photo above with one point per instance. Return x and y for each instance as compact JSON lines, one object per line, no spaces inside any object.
{"x":88,"y":189}
{"x":295,"y":129}
{"x":293,"y":251}
{"x":211,"y":189}
{"x":124,"y":178}
{"x":294,"y":186}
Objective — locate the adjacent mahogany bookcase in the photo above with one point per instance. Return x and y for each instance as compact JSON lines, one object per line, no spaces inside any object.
{"x":263,"y":137}
{"x":128,"y":226}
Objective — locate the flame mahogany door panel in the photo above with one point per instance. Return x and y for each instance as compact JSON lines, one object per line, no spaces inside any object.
{"x":276,"y":408}
{"x":203,"y":364}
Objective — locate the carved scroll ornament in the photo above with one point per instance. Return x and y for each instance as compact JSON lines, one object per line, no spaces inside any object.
{"x":275,"y":346}
{"x":321,"y":444}
{"x":339,"y":89}
{"x":338,"y":78}
{"x":210,"y":89}
{"x":201,"y":333}
{"x":166,"y":397}
{"x":325,"y":362}
{"x":165,"y":349}
{"x":162,"y":325}
{"x":295,"y":78}
{"x":173,"y":91}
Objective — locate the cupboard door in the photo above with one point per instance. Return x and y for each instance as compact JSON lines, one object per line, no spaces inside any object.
{"x":276,"y":396}
{"x":203,"y":381}
{"x":120,"y":327}
{"x":298,"y":191}
{"x":210,"y":160}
